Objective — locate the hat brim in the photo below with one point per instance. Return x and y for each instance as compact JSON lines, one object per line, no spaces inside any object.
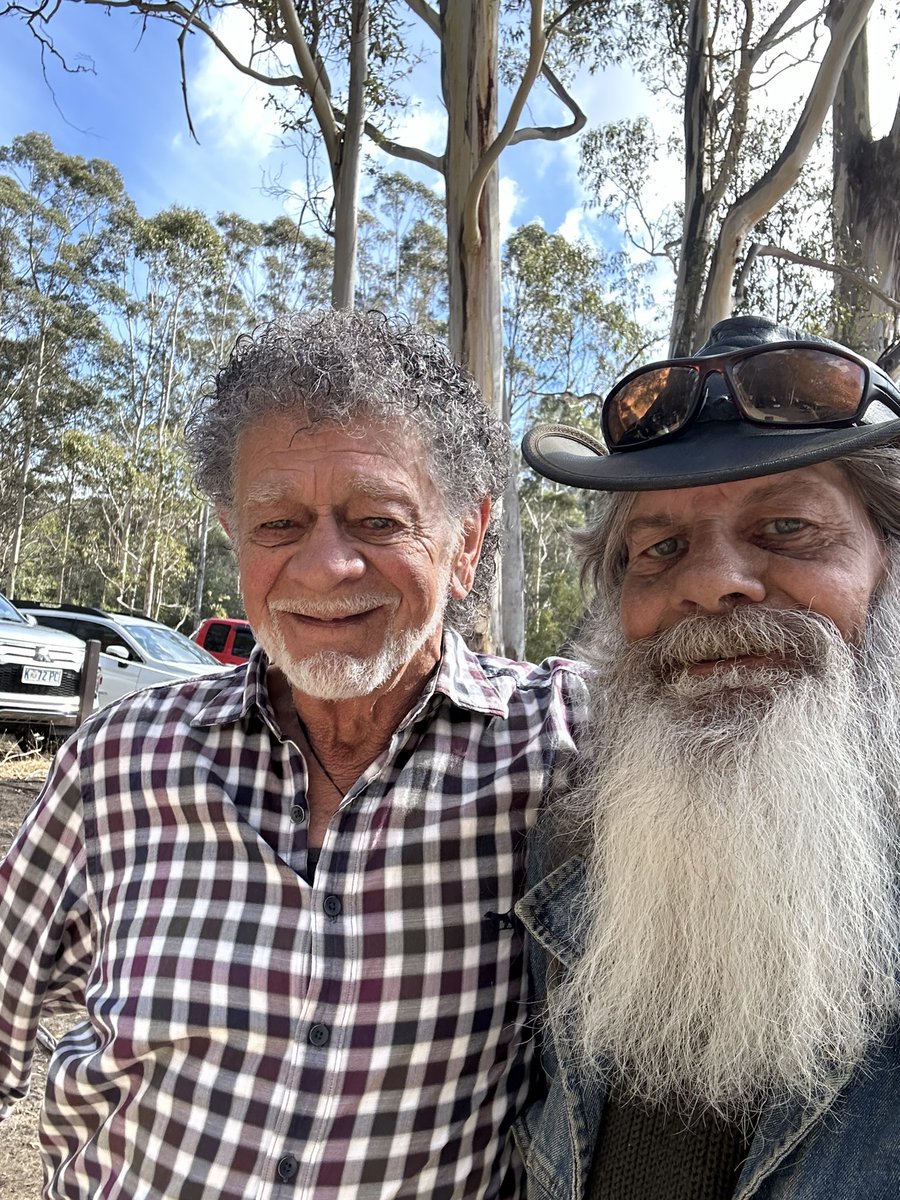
{"x":708,"y":452}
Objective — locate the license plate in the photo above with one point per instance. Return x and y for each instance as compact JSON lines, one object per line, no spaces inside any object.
{"x":46,"y":676}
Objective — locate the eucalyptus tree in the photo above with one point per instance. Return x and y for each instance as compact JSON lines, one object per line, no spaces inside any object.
{"x":55,"y":211}
{"x":163,"y":314}
{"x":866,"y":216}
{"x":572,"y":324}
{"x":725,"y":67}
{"x":403,"y":250}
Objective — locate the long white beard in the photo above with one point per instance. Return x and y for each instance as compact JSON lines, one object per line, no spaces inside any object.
{"x":331,"y":675}
{"x":741,"y":849}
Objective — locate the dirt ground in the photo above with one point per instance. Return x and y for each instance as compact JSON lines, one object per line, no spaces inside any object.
{"x":21,"y":777}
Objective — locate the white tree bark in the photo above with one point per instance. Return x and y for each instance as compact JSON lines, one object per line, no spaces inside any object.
{"x":865,"y":206}
{"x":346,"y":176}
{"x":784,"y":172}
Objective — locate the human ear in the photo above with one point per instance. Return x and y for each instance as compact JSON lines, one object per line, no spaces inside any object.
{"x":465,"y":560}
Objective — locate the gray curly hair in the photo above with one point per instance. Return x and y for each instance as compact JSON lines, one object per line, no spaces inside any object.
{"x":343,"y":368}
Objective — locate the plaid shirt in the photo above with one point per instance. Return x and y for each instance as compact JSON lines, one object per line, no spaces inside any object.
{"x":250,"y":1035}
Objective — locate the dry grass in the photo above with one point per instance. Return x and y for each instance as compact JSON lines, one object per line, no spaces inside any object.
{"x":21,"y":776}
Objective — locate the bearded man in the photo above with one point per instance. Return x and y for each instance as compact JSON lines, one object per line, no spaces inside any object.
{"x":284,"y":894}
{"x":716,"y":937}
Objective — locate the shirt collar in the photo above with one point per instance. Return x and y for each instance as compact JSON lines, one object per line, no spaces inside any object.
{"x":464,"y":678}
{"x":551,"y":911}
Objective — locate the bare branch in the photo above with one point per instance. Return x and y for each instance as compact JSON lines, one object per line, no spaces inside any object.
{"x":740,"y":281}
{"x":397,"y":149}
{"x":819,"y":264}
{"x":182,"y":66}
{"x":553,"y":133}
{"x":177,"y":13}
{"x":426,"y":13}
{"x":784,"y":171}
{"x":777,"y":33}
{"x":316,"y":84}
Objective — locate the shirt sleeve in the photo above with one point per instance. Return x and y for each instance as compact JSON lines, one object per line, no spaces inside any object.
{"x":45,"y":928}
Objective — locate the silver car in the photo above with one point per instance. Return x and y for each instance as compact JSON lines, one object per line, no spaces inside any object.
{"x":40,"y":675}
{"x":134,"y":651}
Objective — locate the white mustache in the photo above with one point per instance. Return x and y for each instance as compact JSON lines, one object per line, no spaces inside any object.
{"x":327,"y":610}
{"x":799,"y":638}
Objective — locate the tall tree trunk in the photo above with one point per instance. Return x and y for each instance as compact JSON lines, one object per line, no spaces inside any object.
{"x":203,"y":542}
{"x":67,"y":537}
{"x":469,"y":82}
{"x":24,"y":479}
{"x":510,"y":635}
{"x":346,"y":190}
{"x":695,"y":237}
{"x":866,"y":206}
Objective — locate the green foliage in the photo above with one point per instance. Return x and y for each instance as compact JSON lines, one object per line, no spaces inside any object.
{"x":403,"y":250}
{"x":570,"y":330}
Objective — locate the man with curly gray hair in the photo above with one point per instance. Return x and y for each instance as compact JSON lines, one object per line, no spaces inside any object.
{"x":285,"y":893}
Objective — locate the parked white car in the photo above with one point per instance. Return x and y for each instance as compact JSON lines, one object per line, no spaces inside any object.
{"x":134,"y":651}
{"x":40,"y":677}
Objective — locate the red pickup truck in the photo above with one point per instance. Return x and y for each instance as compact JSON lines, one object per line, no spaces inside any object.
{"x":229,"y":639}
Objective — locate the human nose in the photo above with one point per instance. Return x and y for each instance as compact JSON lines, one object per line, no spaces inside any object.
{"x":719,"y":572}
{"x":326,"y":557}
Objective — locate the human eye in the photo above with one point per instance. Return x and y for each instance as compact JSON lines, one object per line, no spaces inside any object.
{"x":379,"y":524}
{"x":785,"y":526}
{"x":275,"y":532}
{"x":667,"y":548}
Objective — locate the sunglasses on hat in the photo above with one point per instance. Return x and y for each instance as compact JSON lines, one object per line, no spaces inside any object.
{"x":792,"y":385}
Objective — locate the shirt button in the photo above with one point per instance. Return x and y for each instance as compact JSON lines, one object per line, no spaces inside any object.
{"x":287,"y":1168}
{"x":298,"y":814}
{"x":332,"y":906}
{"x":319,"y":1035}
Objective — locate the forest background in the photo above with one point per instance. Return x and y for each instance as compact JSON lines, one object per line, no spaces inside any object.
{"x":749,"y":173}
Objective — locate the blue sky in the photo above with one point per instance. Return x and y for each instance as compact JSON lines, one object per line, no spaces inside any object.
{"x":130,"y":112}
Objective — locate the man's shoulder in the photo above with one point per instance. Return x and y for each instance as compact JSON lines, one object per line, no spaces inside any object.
{"x":525,"y":674}
{"x":171,"y":704}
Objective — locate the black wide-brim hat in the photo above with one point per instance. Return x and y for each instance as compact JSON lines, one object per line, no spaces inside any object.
{"x":717,"y":447}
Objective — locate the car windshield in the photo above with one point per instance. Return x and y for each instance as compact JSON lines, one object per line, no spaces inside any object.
{"x":168,"y":645}
{"x":9,"y":612}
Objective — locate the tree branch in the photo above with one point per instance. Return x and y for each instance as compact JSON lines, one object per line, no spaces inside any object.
{"x":426,"y":13}
{"x":536,"y":51}
{"x":777,"y":33}
{"x":316,"y":84}
{"x":182,"y":65}
{"x":397,"y":149}
{"x":553,"y":133}
{"x":803,"y":260}
{"x":784,"y":172}
{"x":178,"y":14}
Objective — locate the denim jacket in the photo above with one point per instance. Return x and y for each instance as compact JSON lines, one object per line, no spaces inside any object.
{"x":848,"y":1146}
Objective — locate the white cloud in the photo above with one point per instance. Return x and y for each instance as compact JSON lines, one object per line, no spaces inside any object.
{"x":230,"y":107}
{"x":423,"y":127}
{"x":510,"y":200}
{"x":573,"y":226}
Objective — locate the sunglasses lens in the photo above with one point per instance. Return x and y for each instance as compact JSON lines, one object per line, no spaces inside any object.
{"x":802,"y":386}
{"x":653,"y":403}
